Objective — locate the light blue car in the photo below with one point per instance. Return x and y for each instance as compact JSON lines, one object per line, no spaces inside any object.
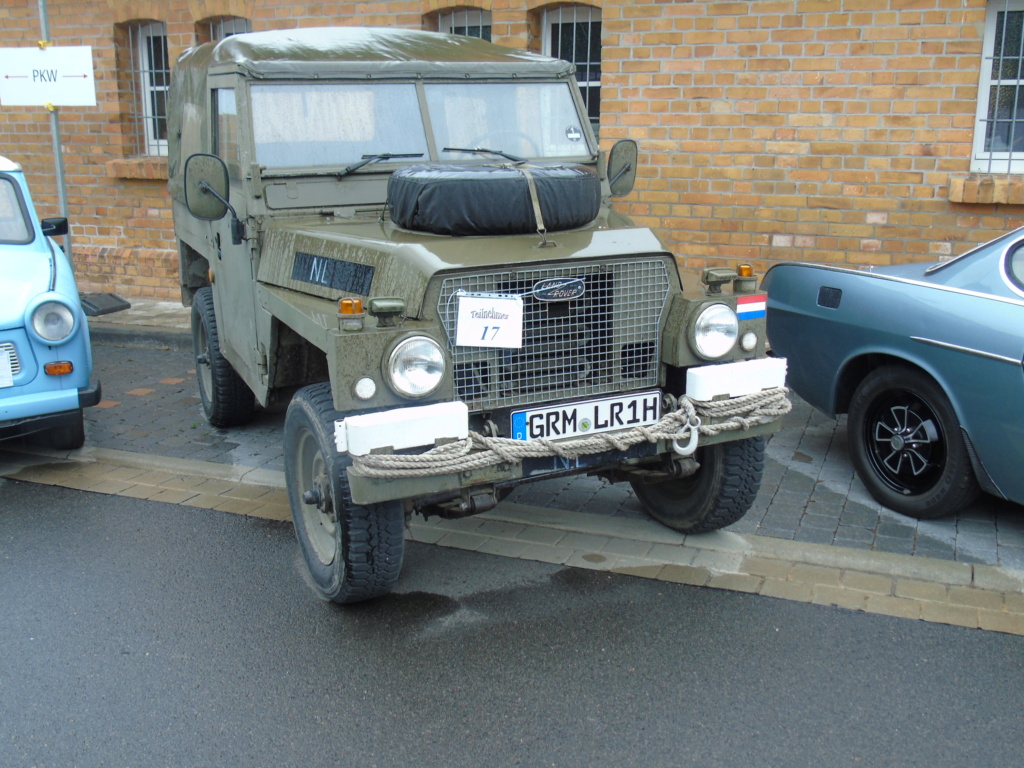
{"x":927,"y":361}
{"x":45,"y":356}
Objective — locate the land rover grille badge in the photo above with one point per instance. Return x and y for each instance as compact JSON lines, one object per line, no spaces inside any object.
{"x":559,"y":289}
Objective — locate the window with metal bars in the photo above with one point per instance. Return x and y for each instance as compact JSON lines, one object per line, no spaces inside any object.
{"x":999,"y":128}
{"x":211,"y":30}
{"x":471,"y":22}
{"x":573,"y":33}
{"x":149,"y":80}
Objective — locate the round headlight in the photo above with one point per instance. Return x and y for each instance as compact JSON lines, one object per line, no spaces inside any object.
{"x":715,"y":331}
{"x":53,"y":321}
{"x":416,"y":367}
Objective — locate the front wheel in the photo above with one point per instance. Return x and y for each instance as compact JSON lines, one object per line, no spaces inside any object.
{"x":719,"y":494}
{"x":906,"y":445}
{"x":352,"y":552}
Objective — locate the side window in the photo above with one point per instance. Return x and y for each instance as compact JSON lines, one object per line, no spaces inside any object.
{"x":999,"y":122}
{"x":471,"y":22}
{"x":573,"y":33}
{"x":225,"y":127}
{"x":147,"y":81}
{"x":1015,"y":269}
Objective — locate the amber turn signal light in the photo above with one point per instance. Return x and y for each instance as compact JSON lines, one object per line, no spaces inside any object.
{"x":58,"y":369}
{"x":350,"y":307}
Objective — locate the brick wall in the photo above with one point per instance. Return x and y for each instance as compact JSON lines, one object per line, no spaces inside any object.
{"x":823,"y":130}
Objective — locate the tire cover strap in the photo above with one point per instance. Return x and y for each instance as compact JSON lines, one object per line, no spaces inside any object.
{"x":535,"y":199}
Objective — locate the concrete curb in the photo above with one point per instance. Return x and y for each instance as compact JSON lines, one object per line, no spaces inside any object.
{"x":975,"y":596}
{"x":141,"y":336}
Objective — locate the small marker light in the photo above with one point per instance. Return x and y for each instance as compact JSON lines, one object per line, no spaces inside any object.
{"x":58,"y":369}
{"x":745,"y":270}
{"x":350,"y":307}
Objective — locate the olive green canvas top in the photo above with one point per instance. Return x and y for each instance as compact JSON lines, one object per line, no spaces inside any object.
{"x":337,"y":52}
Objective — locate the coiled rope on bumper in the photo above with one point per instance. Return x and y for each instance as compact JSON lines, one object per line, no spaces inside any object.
{"x":477,"y":451}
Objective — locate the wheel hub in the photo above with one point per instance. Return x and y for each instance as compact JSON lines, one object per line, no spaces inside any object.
{"x":905,"y":444}
{"x":320,"y":496}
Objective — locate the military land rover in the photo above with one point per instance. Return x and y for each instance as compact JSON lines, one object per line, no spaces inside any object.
{"x":408,"y":238}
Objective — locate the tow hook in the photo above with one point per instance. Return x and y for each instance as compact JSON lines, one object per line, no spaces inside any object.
{"x":691,"y":445}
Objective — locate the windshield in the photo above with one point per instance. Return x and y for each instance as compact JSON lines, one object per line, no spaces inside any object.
{"x":338,"y":124}
{"x":523,"y":119}
{"x":13,"y":226}
{"x":334,"y":123}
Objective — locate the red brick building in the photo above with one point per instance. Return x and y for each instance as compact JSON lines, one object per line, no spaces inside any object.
{"x":847,"y":131}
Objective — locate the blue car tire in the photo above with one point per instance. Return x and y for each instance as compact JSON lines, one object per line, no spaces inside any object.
{"x":906,"y":444}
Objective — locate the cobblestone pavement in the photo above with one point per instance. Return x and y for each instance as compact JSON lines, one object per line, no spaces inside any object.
{"x":809,"y":493}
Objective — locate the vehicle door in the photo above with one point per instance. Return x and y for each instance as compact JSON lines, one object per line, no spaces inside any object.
{"x":233,"y":265}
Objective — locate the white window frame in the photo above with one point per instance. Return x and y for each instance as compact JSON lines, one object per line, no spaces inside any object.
{"x":146,"y":80}
{"x":982,"y":159}
{"x":575,"y":14}
{"x":467,"y":19}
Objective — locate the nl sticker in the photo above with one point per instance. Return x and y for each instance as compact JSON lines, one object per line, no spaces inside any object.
{"x":490,"y":321}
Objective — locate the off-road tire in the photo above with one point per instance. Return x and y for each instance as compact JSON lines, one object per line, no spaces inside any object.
{"x":906,"y":444}
{"x":358,"y":554}
{"x":227,"y":400}
{"x":720,"y":493}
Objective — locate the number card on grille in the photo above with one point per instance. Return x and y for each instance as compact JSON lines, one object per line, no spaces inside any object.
{"x":490,"y":321}
{"x":6,"y":369}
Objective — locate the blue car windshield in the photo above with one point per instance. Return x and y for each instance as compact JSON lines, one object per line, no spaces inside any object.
{"x":14,"y":226}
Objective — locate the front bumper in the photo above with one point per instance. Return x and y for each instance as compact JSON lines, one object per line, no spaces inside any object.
{"x":409,"y":429}
{"x":38,"y":412}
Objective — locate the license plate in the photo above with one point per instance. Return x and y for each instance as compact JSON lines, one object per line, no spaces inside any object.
{"x":588,"y":417}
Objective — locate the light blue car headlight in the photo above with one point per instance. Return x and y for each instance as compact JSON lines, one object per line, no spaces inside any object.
{"x":53,"y":321}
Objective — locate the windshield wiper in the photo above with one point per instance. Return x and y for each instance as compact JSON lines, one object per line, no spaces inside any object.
{"x":484,"y":151}
{"x":367,"y":159}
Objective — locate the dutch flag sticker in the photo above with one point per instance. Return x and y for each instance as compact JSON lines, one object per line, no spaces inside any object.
{"x":752,"y":307}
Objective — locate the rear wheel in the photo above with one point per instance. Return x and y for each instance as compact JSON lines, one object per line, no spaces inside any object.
{"x":906,"y":445}
{"x":720,"y":493}
{"x":352,"y":552}
{"x":227,"y":400}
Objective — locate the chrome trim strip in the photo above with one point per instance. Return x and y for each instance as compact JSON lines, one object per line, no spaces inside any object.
{"x":904,"y":280}
{"x":968,"y":350}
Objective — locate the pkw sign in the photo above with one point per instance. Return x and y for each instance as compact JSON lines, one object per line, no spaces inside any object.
{"x":35,"y":77}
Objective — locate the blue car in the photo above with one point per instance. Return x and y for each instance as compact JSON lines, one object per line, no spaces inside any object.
{"x":926,"y":360}
{"x":45,"y":356}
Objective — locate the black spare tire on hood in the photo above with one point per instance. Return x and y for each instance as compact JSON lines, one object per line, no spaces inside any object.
{"x":492,"y":199}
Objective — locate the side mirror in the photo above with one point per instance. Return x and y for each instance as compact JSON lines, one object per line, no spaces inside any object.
{"x":54,"y":227}
{"x":206,"y":192}
{"x":206,"y":187}
{"x":622,"y":167}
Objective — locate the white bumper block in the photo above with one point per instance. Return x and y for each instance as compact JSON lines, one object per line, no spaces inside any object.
{"x":735,"y":379}
{"x":401,"y":428}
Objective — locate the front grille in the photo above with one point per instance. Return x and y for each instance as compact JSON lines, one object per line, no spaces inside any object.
{"x":605,"y":341}
{"x":12,"y":355}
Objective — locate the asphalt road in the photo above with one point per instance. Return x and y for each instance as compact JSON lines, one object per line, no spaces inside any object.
{"x":143,"y":634}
